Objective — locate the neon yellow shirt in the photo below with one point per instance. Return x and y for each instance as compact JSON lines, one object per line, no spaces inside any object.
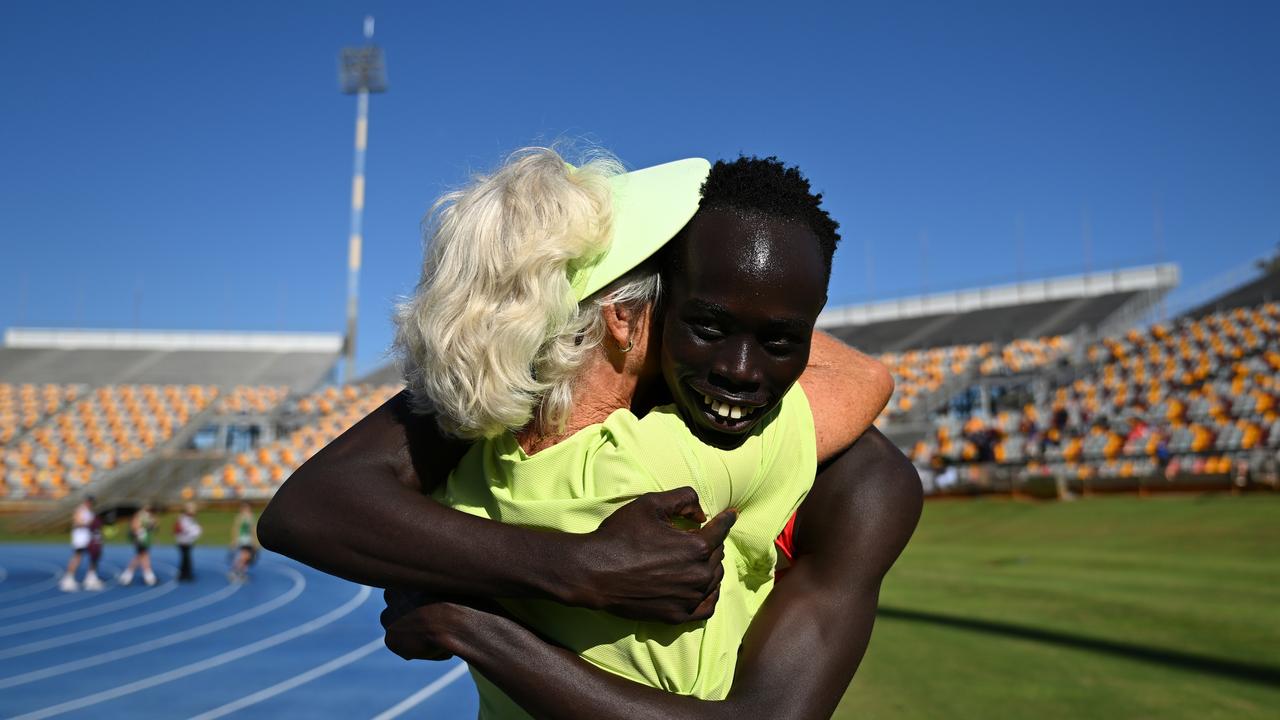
{"x":576,"y":484}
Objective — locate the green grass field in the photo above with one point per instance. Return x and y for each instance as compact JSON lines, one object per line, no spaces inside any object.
{"x":215,"y":523}
{"x":1120,"y":607}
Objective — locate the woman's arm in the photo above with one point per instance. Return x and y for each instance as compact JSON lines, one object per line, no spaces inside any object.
{"x":800,"y":652}
{"x":358,"y":509}
{"x":846,"y":391}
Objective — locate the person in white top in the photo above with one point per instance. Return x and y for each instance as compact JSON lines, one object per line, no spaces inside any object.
{"x":186,"y":531}
{"x":81,"y":535}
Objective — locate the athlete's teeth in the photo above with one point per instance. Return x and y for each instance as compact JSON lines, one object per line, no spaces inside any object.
{"x":725,"y":410}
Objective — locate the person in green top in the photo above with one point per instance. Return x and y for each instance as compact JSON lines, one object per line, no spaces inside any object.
{"x":141,"y":527}
{"x":244,"y":543}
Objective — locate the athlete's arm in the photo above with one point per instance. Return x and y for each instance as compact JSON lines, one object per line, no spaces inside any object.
{"x":358,"y":509}
{"x":799,"y":654}
{"x":846,"y":391}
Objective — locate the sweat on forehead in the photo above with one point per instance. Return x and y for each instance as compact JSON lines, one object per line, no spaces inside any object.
{"x":743,"y":242}
{"x":729,"y":248}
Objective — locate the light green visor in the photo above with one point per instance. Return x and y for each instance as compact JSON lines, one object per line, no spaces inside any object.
{"x":650,"y":206}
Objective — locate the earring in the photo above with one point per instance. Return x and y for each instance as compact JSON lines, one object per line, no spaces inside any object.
{"x":627,"y":349}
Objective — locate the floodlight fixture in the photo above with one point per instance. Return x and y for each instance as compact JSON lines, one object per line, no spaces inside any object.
{"x":361,"y":71}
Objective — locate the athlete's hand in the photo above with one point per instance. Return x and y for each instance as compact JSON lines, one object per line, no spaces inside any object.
{"x":639,"y":565}
{"x":411,"y":621}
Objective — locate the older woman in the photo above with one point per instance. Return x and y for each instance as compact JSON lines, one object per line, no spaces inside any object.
{"x":745,"y":285}
{"x":521,"y":308}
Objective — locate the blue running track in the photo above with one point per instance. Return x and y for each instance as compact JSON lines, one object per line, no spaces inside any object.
{"x":290,"y":643}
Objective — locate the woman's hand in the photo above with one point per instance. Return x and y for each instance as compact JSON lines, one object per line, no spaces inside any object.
{"x":638,"y":564}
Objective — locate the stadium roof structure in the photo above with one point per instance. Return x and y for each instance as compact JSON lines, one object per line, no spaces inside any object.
{"x":388,"y":374}
{"x":107,"y":357}
{"x":1000,"y":313}
{"x":1264,"y":288}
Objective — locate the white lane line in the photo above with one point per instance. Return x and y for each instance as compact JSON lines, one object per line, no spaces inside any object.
{"x":47,"y":603}
{"x":421,"y":696}
{"x":44,"y":622}
{"x":299,"y":583}
{"x":202,"y":665}
{"x":128,"y":624}
{"x":293,"y":682}
{"x":57,"y":571}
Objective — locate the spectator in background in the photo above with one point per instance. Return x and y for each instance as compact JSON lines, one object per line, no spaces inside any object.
{"x":1243,"y":476}
{"x":1163,"y":454}
{"x":948,"y":477}
{"x":186,"y":531}
{"x":91,"y":580}
{"x":141,"y":530}
{"x":1271,"y":470}
{"x":82,"y":520}
{"x":1027,"y":426}
{"x":1060,"y":418}
{"x":244,"y":542}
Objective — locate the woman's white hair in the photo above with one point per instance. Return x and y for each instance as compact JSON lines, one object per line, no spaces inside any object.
{"x":492,"y":334}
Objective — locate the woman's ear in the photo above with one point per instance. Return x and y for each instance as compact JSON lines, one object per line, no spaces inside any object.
{"x":622,"y":324}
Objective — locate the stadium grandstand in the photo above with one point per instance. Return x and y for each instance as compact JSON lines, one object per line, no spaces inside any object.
{"x":1063,"y":384}
{"x":1123,"y":400}
{"x":138,"y":415}
{"x":936,"y":345}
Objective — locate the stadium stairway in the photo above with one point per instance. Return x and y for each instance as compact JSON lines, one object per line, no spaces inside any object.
{"x":921,"y":409}
{"x":914,"y":339}
{"x":1060,"y":318}
{"x":163,"y":480}
{"x":133,"y":483}
{"x":166,"y":474}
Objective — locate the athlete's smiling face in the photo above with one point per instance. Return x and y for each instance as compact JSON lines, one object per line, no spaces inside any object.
{"x":740,"y":309}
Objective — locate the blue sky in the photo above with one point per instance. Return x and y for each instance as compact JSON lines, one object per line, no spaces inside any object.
{"x":187,"y":165}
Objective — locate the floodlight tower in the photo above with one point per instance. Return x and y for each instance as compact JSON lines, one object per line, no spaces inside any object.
{"x":361,"y":71}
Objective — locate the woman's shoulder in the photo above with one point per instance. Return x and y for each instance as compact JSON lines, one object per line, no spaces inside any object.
{"x":662,"y":423}
{"x":658,"y":441}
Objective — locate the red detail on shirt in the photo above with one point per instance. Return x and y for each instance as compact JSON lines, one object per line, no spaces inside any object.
{"x":786,"y":541}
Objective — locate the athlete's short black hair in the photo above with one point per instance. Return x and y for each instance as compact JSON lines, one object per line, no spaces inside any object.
{"x":767,"y":187}
{"x":763,"y":187}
